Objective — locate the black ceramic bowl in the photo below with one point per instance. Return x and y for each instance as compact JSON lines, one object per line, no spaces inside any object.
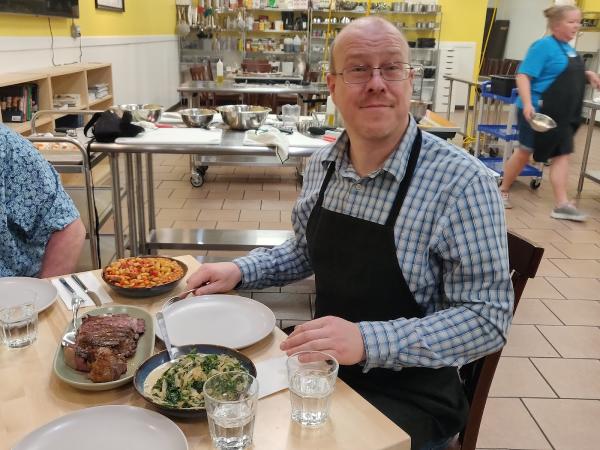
{"x":146,"y":291}
{"x":160,"y":358}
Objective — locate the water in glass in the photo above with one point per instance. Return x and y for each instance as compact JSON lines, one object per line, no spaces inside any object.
{"x":19,"y":325}
{"x":310,"y":395}
{"x":231,"y":426}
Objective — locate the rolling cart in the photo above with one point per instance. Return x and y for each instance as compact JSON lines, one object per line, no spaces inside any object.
{"x":491,"y":135}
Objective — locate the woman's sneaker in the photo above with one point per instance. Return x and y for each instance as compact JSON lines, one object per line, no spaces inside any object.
{"x":506,"y":200}
{"x":568,"y":212}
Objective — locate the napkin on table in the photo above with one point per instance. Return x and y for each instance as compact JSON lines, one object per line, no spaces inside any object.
{"x":272,"y":375}
{"x":269,"y":136}
{"x":92,"y":283}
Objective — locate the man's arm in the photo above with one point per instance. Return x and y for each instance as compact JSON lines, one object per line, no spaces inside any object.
{"x":63,"y":249}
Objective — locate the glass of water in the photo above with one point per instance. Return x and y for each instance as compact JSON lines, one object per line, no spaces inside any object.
{"x":230,"y":399}
{"x":19,"y":325}
{"x":311,"y":377}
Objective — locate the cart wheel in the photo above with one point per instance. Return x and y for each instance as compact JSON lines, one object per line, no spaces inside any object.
{"x":493,"y":152}
{"x":499,"y":181}
{"x":197,"y":179}
{"x":535,"y":183}
{"x":202,"y":170}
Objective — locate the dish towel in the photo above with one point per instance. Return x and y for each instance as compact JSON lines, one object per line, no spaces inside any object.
{"x":272,"y":137}
{"x":92,"y":283}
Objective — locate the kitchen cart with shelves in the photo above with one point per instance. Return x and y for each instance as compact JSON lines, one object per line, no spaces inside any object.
{"x":593,"y":175}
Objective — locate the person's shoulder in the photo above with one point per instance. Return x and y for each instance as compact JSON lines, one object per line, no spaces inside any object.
{"x":545,"y":44}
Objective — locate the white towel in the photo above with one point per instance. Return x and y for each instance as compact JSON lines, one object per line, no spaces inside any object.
{"x":175,"y":136}
{"x":269,"y":136}
{"x":91,"y":282}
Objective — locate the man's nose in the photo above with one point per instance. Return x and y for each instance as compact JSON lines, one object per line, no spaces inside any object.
{"x":376,"y":82}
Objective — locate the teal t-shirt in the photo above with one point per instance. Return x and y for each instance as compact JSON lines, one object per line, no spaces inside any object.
{"x":545,"y":60}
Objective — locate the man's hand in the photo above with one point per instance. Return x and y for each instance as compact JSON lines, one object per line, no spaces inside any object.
{"x":333,"y":335}
{"x":215,"y":278}
{"x":593,"y":79}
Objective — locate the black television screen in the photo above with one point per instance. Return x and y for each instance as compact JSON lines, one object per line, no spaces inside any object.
{"x":61,"y":8}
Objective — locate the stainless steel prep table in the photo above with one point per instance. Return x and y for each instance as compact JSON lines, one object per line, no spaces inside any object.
{"x":145,"y":239}
{"x":593,"y":175}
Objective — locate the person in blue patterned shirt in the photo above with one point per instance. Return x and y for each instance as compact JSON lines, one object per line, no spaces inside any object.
{"x":41,"y":234}
{"x":406,"y":236}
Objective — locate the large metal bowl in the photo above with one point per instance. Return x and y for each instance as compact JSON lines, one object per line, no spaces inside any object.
{"x":542,"y":123}
{"x":148,"y":112}
{"x":243,"y":117}
{"x":197,"y":117}
{"x":418,"y":109}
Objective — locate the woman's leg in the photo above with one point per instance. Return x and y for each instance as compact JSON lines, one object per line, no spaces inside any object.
{"x":513,"y":168}
{"x":559,"y":176}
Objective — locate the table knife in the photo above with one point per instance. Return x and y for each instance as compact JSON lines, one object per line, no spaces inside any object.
{"x":90,"y":294}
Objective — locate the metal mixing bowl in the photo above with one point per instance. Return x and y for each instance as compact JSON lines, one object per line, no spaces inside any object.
{"x":243,"y":117}
{"x":148,"y":112}
{"x":197,"y":117}
{"x":542,"y":123}
{"x":418,"y":109}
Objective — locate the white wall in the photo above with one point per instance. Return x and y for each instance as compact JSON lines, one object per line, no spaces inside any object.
{"x":527,"y":24}
{"x":145,"y":68}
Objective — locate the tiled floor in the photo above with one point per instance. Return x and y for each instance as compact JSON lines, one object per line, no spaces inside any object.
{"x":546,"y":393}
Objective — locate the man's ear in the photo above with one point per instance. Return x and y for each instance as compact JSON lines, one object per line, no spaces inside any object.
{"x":331,"y":79}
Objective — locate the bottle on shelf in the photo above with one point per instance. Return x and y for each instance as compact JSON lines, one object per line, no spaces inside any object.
{"x":220,"y":72}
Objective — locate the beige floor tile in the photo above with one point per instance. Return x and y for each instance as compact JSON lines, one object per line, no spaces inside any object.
{"x":183,"y":184}
{"x":287,"y":187}
{"x":228,"y":225}
{"x":161,"y":202}
{"x":532,"y":311}
{"x":579,"y":251}
{"x":571,"y":378}
{"x":178,"y":214}
{"x":219,"y":214}
{"x":580,"y":236}
{"x":261,"y":195}
{"x":517,"y":377}
{"x":186,"y":193}
{"x":242,"y":204}
{"x":288,"y":195}
{"x":282,"y":205}
{"x":576,"y":312}
{"x":507,"y":424}
{"x":576,"y":288}
{"x":573,"y":341}
{"x":225,"y":195}
{"x":568,"y":424}
{"x":270,"y":216}
{"x":551,"y":252}
{"x":203,"y":203}
{"x":191,"y":224}
{"x":163,"y":193}
{"x":239,"y":186}
{"x":526,"y":340}
{"x":579,"y":268}
{"x":274,"y":226}
{"x":548,"y":269}
{"x":287,"y":305}
{"x":540,"y":288}
{"x":541,"y":236}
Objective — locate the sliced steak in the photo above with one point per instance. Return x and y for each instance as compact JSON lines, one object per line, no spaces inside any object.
{"x":107,"y":366}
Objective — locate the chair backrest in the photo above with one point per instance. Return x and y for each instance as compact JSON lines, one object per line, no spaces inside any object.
{"x":524,"y":260}
{"x":199,"y":73}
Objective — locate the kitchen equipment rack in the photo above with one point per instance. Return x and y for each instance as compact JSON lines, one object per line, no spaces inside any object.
{"x":490,"y":109}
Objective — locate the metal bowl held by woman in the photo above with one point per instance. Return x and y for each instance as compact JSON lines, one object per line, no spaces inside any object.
{"x":542,"y":123}
{"x":178,"y":393}
{"x":243,"y":117}
{"x":144,"y":276}
{"x":147,"y":112}
{"x":418,"y":109}
{"x":197,"y":117}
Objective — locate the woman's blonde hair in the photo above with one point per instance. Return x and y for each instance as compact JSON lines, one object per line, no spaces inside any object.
{"x":556,"y":13}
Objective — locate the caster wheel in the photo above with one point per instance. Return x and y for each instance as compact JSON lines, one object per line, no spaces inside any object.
{"x":202,"y":170}
{"x":499,"y":181}
{"x":197,"y":180}
{"x":535,"y":183}
{"x":493,"y":152}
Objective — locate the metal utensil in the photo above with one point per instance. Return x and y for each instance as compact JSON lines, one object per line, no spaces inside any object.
{"x":176,"y":298}
{"x":172,"y":351}
{"x":68,"y":338}
{"x":542,"y":123}
{"x":90,"y":294}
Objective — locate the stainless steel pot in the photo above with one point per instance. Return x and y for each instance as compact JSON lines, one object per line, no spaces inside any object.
{"x":243,"y":117}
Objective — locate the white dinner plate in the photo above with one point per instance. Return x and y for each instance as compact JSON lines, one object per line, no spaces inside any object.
{"x":227,"y":320}
{"x":19,"y":290}
{"x":107,"y":427}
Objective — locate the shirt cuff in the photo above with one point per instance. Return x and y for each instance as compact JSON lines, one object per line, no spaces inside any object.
{"x":250,"y":268}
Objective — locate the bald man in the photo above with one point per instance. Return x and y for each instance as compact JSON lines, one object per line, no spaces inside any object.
{"x":405,"y":235}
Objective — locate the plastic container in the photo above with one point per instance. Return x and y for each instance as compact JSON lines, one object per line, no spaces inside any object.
{"x":503,"y":85}
{"x":297,"y":44}
{"x":220,"y":77}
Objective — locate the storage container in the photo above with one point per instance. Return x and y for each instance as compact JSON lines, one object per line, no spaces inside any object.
{"x":503,"y":85}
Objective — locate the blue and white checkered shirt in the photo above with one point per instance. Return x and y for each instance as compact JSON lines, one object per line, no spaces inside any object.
{"x":451,"y":246}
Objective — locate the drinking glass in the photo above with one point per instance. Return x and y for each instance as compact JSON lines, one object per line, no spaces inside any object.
{"x":290,"y":115}
{"x":311,"y":377}
{"x":19,"y":325}
{"x":230,"y":399}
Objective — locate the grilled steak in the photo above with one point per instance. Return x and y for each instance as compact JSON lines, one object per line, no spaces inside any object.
{"x":103,"y":344}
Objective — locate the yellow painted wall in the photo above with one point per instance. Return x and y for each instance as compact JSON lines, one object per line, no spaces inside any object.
{"x":141,"y":17}
{"x":590,"y":5}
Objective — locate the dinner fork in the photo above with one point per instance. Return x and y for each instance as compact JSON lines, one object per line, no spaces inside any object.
{"x":175,"y":298}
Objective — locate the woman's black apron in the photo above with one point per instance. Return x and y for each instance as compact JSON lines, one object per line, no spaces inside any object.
{"x":358,"y":278}
{"x":563,"y":101}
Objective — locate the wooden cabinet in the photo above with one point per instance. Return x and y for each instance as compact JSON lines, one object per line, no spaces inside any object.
{"x":75,"y":79}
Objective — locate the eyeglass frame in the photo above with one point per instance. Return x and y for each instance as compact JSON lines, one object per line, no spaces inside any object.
{"x":411,"y":69}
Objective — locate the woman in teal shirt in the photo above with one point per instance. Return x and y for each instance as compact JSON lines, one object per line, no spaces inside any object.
{"x":551,"y":80}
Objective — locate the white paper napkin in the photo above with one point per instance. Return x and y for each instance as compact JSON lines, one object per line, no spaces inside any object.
{"x":92,"y":283}
{"x":272,"y":375}
{"x":272,"y":136}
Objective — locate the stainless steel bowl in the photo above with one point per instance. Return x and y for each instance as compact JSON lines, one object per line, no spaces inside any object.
{"x":148,"y":112}
{"x":197,"y":117}
{"x":243,"y":117}
{"x":542,"y":123}
{"x":418,"y":109}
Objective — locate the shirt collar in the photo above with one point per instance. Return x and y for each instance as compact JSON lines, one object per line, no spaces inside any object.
{"x":395,"y":164}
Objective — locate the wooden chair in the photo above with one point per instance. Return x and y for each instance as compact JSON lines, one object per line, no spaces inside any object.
{"x":222,"y":99}
{"x":524,"y":260}
{"x":199,"y":72}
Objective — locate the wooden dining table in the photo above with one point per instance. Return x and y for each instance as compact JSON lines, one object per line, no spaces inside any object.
{"x":31,"y":395}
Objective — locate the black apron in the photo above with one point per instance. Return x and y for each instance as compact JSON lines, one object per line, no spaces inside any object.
{"x":563,"y":101}
{"x":358,"y":278}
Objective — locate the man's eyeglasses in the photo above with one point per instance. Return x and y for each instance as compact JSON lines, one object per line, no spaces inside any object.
{"x":397,"y":71}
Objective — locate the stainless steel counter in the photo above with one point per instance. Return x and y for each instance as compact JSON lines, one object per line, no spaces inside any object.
{"x":593,"y":175}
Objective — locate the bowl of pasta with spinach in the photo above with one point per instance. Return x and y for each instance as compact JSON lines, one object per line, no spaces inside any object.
{"x":175,"y":387}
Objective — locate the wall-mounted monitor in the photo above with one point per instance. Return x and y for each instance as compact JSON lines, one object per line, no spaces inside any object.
{"x":60,"y":8}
